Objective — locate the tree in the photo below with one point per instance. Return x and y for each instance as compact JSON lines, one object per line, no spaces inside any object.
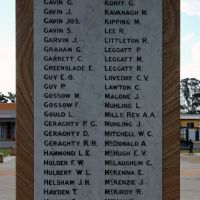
{"x":190,"y":96}
{"x":10,"y":98}
{"x":3,"y":98}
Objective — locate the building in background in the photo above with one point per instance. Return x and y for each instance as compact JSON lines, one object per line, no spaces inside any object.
{"x":189,"y":127}
{"x":7,"y":121}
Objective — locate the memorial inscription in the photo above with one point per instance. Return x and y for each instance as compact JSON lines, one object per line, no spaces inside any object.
{"x":98,"y":100}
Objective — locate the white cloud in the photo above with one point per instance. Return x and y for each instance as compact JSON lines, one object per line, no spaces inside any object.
{"x":190,"y":7}
{"x":188,"y":37}
{"x":7,"y":68}
{"x":192,"y":70}
{"x":196,"y":53}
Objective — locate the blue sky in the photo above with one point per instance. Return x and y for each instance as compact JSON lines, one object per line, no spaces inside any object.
{"x":190,"y":38}
{"x":7,"y":46}
{"x":190,"y":42}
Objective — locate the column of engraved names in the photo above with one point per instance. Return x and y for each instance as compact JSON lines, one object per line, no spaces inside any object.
{"x":65,"y":138}
{"x":126,"y":154}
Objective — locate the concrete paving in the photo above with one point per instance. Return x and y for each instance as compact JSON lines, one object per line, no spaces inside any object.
{"x":7,"y":179}
{"x":7,"y":188}
{"x":190,"y":177}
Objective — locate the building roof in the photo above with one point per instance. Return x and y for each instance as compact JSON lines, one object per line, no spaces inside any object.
{"x":190,"y":116}
{"x":7,"y":106}
{"x":7,"y":110}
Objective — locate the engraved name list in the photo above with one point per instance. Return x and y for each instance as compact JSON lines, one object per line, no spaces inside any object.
{"x":98,"y":99}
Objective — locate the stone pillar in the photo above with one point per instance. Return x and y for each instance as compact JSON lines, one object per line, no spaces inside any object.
{"x":98,"y":96}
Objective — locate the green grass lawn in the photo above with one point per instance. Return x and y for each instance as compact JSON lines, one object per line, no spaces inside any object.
{"x":5,"y":151}
{"x":187,"y":151}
